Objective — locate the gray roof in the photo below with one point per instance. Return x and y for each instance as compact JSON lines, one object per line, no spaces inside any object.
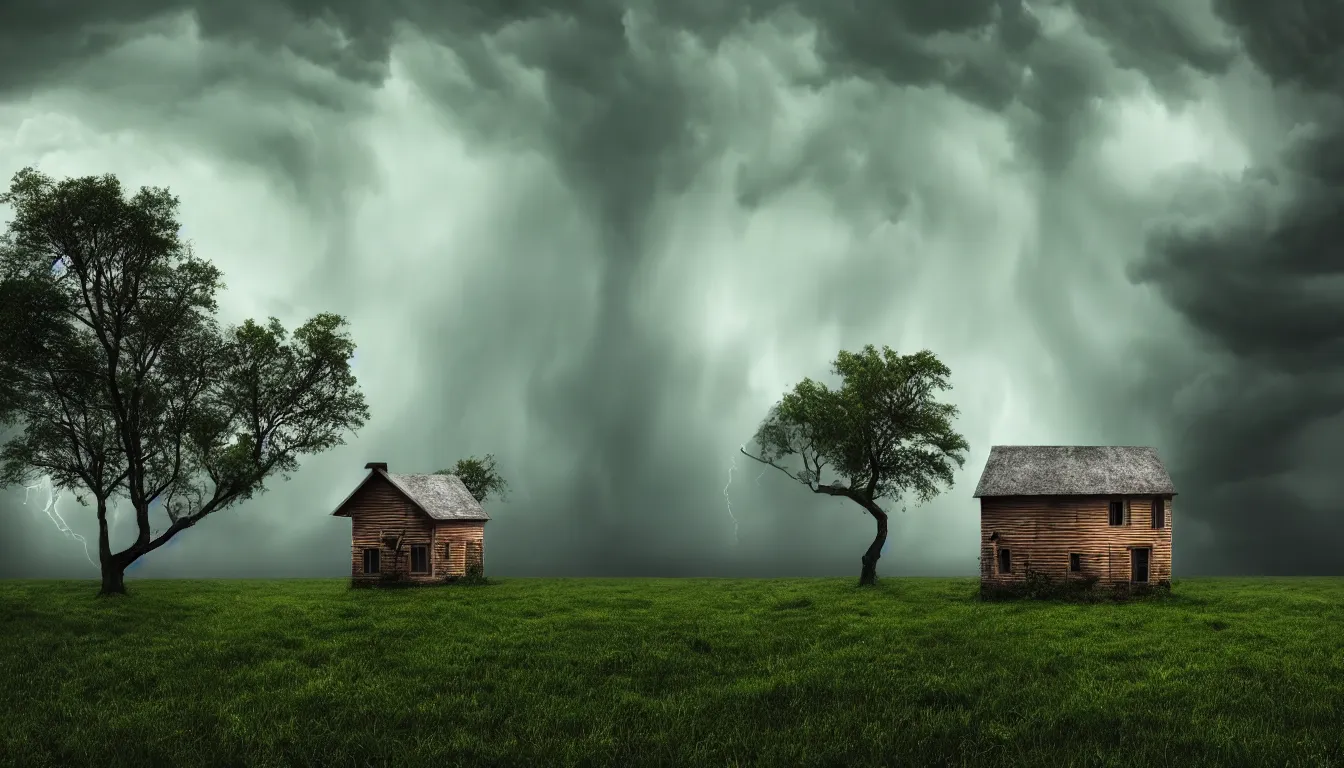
{"x":1063,"y":470}
{"x":442,"y":497}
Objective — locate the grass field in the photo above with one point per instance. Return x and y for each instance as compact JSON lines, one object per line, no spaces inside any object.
{"x":684,"y":672}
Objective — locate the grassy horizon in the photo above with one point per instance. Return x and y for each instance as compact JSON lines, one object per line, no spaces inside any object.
{"x":684,"y":672}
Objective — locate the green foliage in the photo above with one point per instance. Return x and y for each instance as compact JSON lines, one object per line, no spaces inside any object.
{"x":112,"y":362}
{"x":475,"y":575}
{"x":882,"y":432}
{"x":480,"y":477}
{"x":1038,"y":585}
{"x":707,"y":672}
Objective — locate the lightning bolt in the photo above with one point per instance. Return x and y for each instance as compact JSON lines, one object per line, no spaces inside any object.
{"x":53,"y":498}
{"x":732,"y":465}
{"x":758,"y":477}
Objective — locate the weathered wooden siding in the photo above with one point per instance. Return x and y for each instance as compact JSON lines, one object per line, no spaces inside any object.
{"x":1041,"y":531}
{"x":457,"y":534}
{"x":376,"y":509}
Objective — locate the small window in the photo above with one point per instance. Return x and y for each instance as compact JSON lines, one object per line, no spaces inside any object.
{"x":371,"y":560}
{"x":1117,"y":513}
{"x":1075,"y":562}
{"x":419,"y":558}
{"x":447,"y":551}
{"x":1159,"y":513}
{"x":1005,"y":561}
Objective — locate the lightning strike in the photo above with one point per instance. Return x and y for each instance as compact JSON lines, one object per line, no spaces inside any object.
{"x":53,"y":498}
{"x":758,"y":477}
{"x":732,"y":465}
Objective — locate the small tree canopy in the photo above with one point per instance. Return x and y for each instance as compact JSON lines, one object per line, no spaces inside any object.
{"x":113,"y":364}
{"x":479,"y":476}
{"x":881,"y":435}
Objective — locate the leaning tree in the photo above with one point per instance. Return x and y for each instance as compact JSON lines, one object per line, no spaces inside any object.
{"x":881,"y":435}
{"x":124,"y":385}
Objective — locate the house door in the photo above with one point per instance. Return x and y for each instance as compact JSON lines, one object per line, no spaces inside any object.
{"x":1138,"y":558}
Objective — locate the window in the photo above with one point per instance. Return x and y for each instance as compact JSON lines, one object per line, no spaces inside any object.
{"x":1005,"y":561}
{"x":420,"y":558}
{"x":1075,"y":562}
{"x":1117,"y":513}
{"x":1159,"y":513}
{"x":447,"y":552}
{"x":371,"y":560}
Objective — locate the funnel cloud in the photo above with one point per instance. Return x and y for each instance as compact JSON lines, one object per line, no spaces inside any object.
{"x":598,"y":240}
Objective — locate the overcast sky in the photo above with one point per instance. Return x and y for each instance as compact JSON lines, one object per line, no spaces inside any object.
{"x":599,"y":241}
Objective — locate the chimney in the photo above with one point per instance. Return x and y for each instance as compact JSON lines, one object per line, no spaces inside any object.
{"x":376,"y":465}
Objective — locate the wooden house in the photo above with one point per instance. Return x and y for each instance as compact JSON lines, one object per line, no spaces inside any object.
{"x":412,"y":528}
{"x":1074,"y":512}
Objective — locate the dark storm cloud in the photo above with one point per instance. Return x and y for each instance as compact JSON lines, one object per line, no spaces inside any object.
{"x":624,"y":117}
{"x":1159,"y":38}
{"x":1263,"y":283}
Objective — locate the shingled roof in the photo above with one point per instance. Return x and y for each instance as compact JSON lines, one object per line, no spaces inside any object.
{"x":442,"y":497}
{"x":1049,"y":470}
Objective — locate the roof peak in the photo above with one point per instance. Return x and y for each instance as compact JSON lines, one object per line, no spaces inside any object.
{"x":441,"y":497}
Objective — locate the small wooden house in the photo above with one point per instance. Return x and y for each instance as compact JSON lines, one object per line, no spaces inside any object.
{"x":1073,"y":511}
{"x":412,"y":528}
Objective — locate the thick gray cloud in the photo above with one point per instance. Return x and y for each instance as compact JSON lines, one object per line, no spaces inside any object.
{"x":1255,"y":265}
{"x":599,"y":241}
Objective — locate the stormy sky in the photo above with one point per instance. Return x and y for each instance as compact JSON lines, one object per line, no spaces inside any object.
{"x":599,"y":240}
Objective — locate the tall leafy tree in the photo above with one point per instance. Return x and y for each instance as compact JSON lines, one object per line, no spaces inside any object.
{"x":480,"y":477}
{"x":124,"y":385}
{"x":881,"y":435}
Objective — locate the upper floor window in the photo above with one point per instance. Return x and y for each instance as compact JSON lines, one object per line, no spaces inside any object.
{"x":1117,"y":513}
{"x":1159,"y":513}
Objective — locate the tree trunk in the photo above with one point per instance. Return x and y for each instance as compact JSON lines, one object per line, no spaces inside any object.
{"x":114,"y":580}
{"x":114,"y":572}
{"x":868,"y":576}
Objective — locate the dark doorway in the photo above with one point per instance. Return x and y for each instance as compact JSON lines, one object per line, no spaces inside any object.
{"x":1005,"y":561}
{"x":1138,"y":557}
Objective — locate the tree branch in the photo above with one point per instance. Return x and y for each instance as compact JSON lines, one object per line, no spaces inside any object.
{"x":769,"y":463}
{"x":827,"y":490}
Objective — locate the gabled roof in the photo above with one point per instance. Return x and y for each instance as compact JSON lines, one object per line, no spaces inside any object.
{"x":440,"y":497}
{"x":1067,"y":470}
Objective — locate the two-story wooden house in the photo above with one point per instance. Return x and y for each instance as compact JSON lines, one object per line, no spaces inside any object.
{"x":412,"y":528}
{"x":1073,"y":511}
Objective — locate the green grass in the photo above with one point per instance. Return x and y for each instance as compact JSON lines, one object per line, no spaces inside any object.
{"x":676,"y":672}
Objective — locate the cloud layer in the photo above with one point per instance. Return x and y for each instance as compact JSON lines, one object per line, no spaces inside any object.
{"x":599,"y":242}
